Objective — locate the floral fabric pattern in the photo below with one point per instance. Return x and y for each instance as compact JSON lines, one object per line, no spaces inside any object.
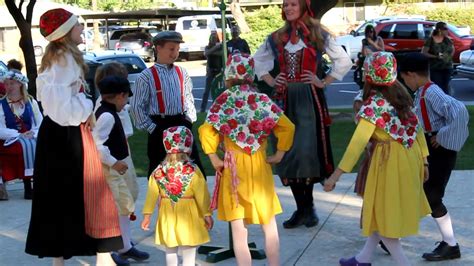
{"x":178,"y":140}
{"x":174,"y":178}
{"x":382,"y":114}
{"x":380,"y":68}
{"x":240,"y":66}
{"x":245,"y":116}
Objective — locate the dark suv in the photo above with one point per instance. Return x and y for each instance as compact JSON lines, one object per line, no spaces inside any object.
{"x":402,"y":36}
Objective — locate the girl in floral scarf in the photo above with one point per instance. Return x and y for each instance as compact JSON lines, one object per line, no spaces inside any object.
{"x":243,"y":119}
{"x":394,"y":200}
{"x":179,"y":186}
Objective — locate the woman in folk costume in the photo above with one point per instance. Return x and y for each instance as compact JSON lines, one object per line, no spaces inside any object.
{"x":394,"y":199}
{"x":294,"y":52}
{"x":184,"y":215}
{"x":73,"y":211}
{"x":20,"y":119}
{"x":246,"y":190}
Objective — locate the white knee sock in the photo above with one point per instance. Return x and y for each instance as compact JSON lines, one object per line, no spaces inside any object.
{"x":366,"y":254}
{"x":59,"y":261}
{"x":171,"y":256}
{"x":125,"y":231}
{"x":395,"y":247}
{"x":446,"y":228}
{"x":189,"y":255}
{"x":104,"y":259}
{"x":239,"y":239}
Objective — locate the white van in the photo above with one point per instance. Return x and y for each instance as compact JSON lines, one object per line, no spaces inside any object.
{"x":197,"y":29}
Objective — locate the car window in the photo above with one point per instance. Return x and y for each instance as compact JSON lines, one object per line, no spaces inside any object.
{"x":457,"y":31}
{"x":135,"y":36}
{"x":195,"y":24}
{"x":134,"y":65}
{"x":385,"y":32}
{"x":219,"y":23}
{"x":427,"y":30}
{"x":406,"y":31}
{"x":117,"y":34}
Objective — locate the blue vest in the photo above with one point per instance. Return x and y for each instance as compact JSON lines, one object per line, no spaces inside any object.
{"x":10,"y":119}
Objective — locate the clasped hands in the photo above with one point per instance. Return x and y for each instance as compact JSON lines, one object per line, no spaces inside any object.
{"x":307,"y":77}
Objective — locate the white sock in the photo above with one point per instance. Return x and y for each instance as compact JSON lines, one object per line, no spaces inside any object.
{"x":395,"y":247}
{"x":59,"y":261}
{"x":445,"y":226}
{"x":126,"y":232}
{"x":189,"y":255}
{"x":171,"y":256}
{"x":104,"y":259}
{"x":367,"y":252}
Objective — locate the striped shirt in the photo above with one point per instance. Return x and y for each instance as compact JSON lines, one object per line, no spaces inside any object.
{"x":447,"y":116}
{"x":144,"y":102}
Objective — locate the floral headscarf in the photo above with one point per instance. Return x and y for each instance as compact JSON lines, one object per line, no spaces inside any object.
{"x":14,"y":75}
{"x":241,"y":67}
{"x":382,"y":114}
{"x":380,"y":68}
{"x":178,"y":140}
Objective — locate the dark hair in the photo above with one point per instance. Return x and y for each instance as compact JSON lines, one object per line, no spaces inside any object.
{"x":396,"y":94}
{"x":415,"y":62}
{"x":110,"y":69}
{"x":369,"y":29}
{"x":14,"y":64}
{"x":439,"y":26}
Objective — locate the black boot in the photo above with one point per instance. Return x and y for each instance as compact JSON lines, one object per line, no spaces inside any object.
{"x":28,"y":189}
{"x":310,"y":217}
{"x":295,"y":220}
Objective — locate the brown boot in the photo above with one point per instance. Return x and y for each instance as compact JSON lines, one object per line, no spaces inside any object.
{"x":3,"y":192}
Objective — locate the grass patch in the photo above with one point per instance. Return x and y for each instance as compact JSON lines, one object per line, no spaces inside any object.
{"x":341,"y":133}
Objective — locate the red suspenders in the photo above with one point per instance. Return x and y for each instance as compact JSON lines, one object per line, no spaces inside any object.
{"x":424,"y":112}
{"x":159,"y":91}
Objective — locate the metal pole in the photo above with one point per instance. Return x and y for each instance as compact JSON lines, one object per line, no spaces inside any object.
{"x":222,"y":7}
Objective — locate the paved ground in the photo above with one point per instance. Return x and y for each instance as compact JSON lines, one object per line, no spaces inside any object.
{"x":336,"y":236}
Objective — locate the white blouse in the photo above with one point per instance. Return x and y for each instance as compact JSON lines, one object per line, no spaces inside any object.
{"x":341,"y":63}
{"x":7,"y":133}
{"x":58,"y":91}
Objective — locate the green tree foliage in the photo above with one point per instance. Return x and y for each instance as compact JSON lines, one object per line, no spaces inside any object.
{"x":262,"y":22}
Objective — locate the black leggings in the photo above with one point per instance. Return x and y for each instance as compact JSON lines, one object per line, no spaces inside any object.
{"x":442,"y":162}
{"x":303,"y":194}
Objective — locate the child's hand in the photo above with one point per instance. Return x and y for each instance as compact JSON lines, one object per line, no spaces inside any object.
{"x":434,"y":142}
{"x":329,"y":184}
{"x":216,"y":162}
{"x":120,"y":166}
{"x":146,"y":222}
{"x":426,"y":174}
{"x":28,"y":134}
{"x":275,"y":158}
{"x":209,"y":222}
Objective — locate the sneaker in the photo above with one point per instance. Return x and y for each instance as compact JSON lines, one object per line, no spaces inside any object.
{"x":443,"y":252}
{"x":119,"y":260}
{"x":135,"y":254}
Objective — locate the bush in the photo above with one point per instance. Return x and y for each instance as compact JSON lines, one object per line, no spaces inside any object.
{"x":261,"y":22}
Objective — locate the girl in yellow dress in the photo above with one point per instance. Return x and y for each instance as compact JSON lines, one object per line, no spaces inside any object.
{"x":394,"y":200}
{"x":245,"y":187}
{"x":184,"y":216}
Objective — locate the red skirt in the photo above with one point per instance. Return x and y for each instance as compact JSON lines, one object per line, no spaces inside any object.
{"x":12,"y":165}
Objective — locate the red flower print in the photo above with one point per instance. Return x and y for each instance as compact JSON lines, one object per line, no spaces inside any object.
{"x":214,"y":118}
{"x":233,"y":123}
{"x":176,"y":138}
{"x":404,"y":122}
{"x":393,"y":129}
{"x":248,"y":150}
{"x":171,"y":173}
{"x":158,"y":174}
{"x":410,"y":142}
{"x":215,"y":108}
{"x":241,"y":136}
{"x":386,"y":117}
{"x":410,"y":131}
{"x":381,"y":72}
{"x":222,"y":98}
{"x":252,"y":62}
{"x":239,"y":103}
{"x":268,"y":124}
{"x":175,"y":188}
{"x":250,"y":140}
{"x":253,"y":106}
{"x":236,"y":58}
{"x":188,"y":141}
{"x":369,"y":79}
{"x":380,"y":123}
{"x":187,"y":169}
{"x":380,"y":102}
{"x":264,"y":98}
{"x":228,"y":111}
{"x":241,"y":70}
{"x":381,"y":60}
{"x":275,"y":108}
{"x":167,"y":145}
{"x":252,"y":99}
{"x":401,"y":131}
{"x":225,"y":129}
{"x":255,"y":127}
{"x":369,"y":112}
{"x":261,"y":139}
{"x":172,"y":129}
{"x":400,"y":140}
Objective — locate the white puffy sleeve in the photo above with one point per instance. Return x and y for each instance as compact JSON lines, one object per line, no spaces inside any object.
{"x":264,"y":59}
{"x":341,"y":62}
{"x":58,"y":91}
{"x":38,"y":117}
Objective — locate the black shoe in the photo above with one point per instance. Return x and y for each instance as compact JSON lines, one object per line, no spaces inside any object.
{"x":135,"y":254}
{"x":295,"y":220}
{"x":382,"y":245}
{"x":311,"y":218}
{"x":443,"y":252}
{"x":119,"y":260}
{"x":28,"y":189}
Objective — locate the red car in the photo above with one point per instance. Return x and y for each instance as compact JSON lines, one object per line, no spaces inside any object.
{"x":410,"y":35}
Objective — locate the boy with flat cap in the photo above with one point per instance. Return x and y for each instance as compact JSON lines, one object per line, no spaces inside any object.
{"x":112,"y":145}
{"x":444,"y":121}
{"x":163,"y":98}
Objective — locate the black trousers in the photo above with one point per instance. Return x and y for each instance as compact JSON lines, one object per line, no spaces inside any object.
{"x":441,"y":77}
{"x":303,"y":194}
{"x":156,"y":150}
{"x":442,"y":162}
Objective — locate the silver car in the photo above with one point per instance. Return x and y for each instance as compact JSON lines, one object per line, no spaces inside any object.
{"x":466,"y":67}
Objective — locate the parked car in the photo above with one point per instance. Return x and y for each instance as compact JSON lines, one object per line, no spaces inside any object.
{"x":401,"y":36}
{"x":133,"y":62}
{"x":138,"y":42}
{"x":352,"y":42}
{"x":466,"y":68}
{"x":115,"y":32}
{"x":3,"y":66}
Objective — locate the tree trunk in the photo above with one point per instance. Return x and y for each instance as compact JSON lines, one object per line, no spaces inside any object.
{"x":321,"y":7}
{"x":26,"y":42}
{"x":239,"y":16}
